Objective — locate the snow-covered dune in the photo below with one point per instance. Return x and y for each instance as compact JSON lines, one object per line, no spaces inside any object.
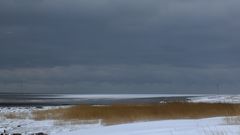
{"x":210,"y":126}
{"x":207,"y":126}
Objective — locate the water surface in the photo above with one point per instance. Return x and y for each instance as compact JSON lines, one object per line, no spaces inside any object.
{"x":23,"y":99}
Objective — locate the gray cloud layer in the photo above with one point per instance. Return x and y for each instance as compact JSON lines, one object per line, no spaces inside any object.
{"x":122,"y":78}
{"x":137,"y":46}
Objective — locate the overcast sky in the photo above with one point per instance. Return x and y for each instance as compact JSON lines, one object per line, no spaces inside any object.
{"x":120,"y":46}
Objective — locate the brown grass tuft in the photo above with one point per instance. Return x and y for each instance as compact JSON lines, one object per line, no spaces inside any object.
{"x":123,"y":113}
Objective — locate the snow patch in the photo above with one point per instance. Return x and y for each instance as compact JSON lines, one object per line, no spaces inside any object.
{"x":216,"y":99}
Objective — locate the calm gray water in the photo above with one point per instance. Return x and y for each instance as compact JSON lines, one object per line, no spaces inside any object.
{"x":27,"y":99}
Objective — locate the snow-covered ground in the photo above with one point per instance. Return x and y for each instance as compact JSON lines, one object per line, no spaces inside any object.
{"x":210,"y":126}
{"x":24,"y":124}
{"x":4,"y":110}
{"x":207,"y":126}
{"x":29,"y":126}
{"x":216,"y":99}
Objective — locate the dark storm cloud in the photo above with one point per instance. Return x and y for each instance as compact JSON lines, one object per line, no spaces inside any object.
{"x":122,"y":79}
{"x":189,"y":44}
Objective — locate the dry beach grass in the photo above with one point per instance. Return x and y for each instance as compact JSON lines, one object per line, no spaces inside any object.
{"x":124,"y":113}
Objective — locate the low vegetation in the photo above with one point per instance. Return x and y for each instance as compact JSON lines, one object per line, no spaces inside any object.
{"x":14,"y":115}
{"x":232,"y":120}
{"x":124,"y":113}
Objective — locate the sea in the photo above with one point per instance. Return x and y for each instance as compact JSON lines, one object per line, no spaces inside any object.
{"x":33,"y":99}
